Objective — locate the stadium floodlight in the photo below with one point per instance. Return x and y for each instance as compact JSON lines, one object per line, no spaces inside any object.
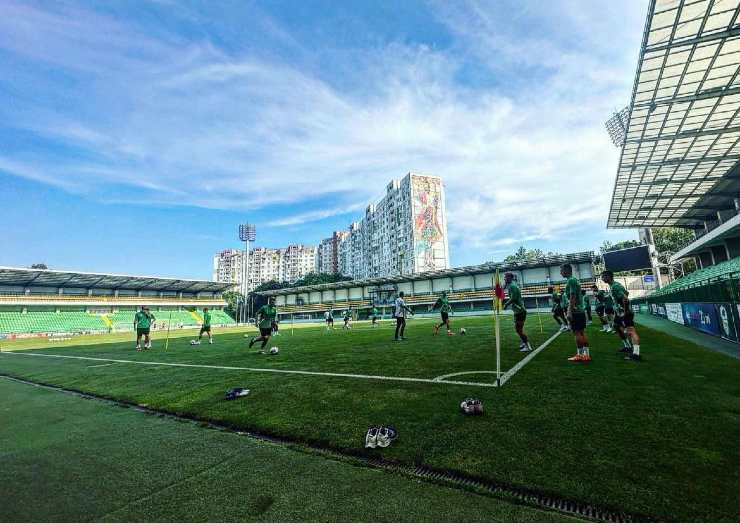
{"x":616,"y":126}
{"x":247,"y":233}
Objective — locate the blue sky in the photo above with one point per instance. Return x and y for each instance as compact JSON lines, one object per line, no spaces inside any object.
{"x":135,"y":136}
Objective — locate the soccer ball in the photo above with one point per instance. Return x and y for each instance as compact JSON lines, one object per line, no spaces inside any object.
{"x":194,"y":342}
{"x":462,"y":331}
{"x":274,"y":350}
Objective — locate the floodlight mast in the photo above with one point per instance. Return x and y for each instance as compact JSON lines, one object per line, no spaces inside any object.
{"x":247,"y":233}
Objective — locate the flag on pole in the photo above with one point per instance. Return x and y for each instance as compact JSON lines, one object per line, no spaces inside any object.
{"x":498,"y":291}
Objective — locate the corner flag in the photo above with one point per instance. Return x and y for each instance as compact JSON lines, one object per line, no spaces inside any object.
{"x":498,"y":290}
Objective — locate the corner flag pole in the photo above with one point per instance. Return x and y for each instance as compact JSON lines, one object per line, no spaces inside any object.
{"x":167,"y":341}
{"x":292,"y":321}
{"x":496,"y":303}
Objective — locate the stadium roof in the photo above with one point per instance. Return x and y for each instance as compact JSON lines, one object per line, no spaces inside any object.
{"x":546,"y":261}
{"x":678,"y":165}
{"x":93,"y":280}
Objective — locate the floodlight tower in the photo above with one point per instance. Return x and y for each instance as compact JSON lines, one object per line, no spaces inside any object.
{"x":247,"y":233}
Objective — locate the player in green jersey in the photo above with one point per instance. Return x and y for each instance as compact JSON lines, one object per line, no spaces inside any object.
{"x":142,"y":325}
{"x":587,"y":305}
{"x":348,"y":319}
{"x":443,"y":304}
{"x":557,"y":308}
{"x":265,"y":317}
{"x":624,"y":319}
{"x":329,"y":319}
{"x":374,"y":316}
{"x":576,"y":313}
{"x":600,"y":297}
{"x":206,"y":327}
{"x":517,"y":307}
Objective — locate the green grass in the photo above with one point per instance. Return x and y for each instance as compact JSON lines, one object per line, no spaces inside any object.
{"x":67,"y":459}
{"x":654,"y":438}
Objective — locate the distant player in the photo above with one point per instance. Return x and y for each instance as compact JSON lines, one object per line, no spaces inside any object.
{"x":624,"y":320}
{"x":518,"y":308}
{"x":587,"y":305}
{"x":265,"y":317}
{"x":557,"y":308}
{"x":206,"y":327}
{"x":443,"y":304}
{"x":347,"y":319}
{"x":400,"y":311}
{"x":374,"y":313}
{"x":142,"y":324}
{"x":609,"y":311}
{"x":275,"y":327}
{"x":329,"y":319}
{"x":576,"y":313}
{"x":600,"y":298}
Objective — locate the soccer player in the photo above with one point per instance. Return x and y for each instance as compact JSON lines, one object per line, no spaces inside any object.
{"x":443,"y":304}
{"x":275,"y":327}
{"x":518,"y":308}
{"x":142,"y":324}
{"x":206,"y":327}
{"x":400,"y":311}
{"x":265,"y":316}
{"x":587,"y":305}
{"x":609,"y":311}
{"x":329,"y":318}
{"x":600,"y":297}
{"x":557,"y":308}
{"x":348,"y":319}
{"x":624,"y":320}
{"x":576,"y":313}
{"x":374,"y":313}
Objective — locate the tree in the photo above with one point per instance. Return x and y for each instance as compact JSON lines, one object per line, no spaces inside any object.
{"x":608,"y":246}
{"x":41,"y":266}
{"x":670,"y":240}
{"x":320,"y":278}
{"x":524,"y":255}
{"x":232,"y":299}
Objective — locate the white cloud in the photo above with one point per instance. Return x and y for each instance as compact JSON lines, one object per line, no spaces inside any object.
{"x":524,"y":156}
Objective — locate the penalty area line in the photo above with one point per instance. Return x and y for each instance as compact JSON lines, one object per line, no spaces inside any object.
{"x":253,"y":369}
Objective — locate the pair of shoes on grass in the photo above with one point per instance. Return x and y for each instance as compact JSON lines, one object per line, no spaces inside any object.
{"x":472,"y":407}
{"x":379,"y":437}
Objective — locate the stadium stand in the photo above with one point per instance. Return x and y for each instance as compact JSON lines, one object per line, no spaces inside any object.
{"x":34,"y":302}
{"x":470,"y":288}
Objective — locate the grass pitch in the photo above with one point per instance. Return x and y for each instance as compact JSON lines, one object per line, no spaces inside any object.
{"x":654,"y":438}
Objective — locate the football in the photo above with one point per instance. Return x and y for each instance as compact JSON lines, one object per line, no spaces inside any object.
{"x":274,"y":350}
{"x":462,"y":331}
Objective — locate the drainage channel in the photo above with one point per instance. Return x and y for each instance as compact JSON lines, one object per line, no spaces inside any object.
{"x":448,"y":478}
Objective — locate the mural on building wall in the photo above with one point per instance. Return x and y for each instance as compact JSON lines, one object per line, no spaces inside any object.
{"x":428,"y":219}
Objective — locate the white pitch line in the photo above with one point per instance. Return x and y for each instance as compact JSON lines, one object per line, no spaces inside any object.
{"x":508,"y":374}
{"x":440,"y":378}
{"x":251,"y":369}
{"x":516,"y":368}
{"x":101,"y":365}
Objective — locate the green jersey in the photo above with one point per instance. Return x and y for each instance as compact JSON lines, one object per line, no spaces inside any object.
{"x":206,"y":319}
{"x":618,"y":294}
{"x":515,"y":299}
{"x":443,"y":304}
{"x":266,"y":315}
{"x":600,"y":297}
{"x":556,"y":300}
{"x":573,"y":289}
{"x":347,"y":315}
{"x":587,"y":301}
{"x":375,"y":311}
{"x":143,"y":320}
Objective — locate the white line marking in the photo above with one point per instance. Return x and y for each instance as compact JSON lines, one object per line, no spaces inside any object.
{"x":516,"y":368}
{"x":101,"y":365}
{"x":440,"y":378}
{"x":250,"y":369}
